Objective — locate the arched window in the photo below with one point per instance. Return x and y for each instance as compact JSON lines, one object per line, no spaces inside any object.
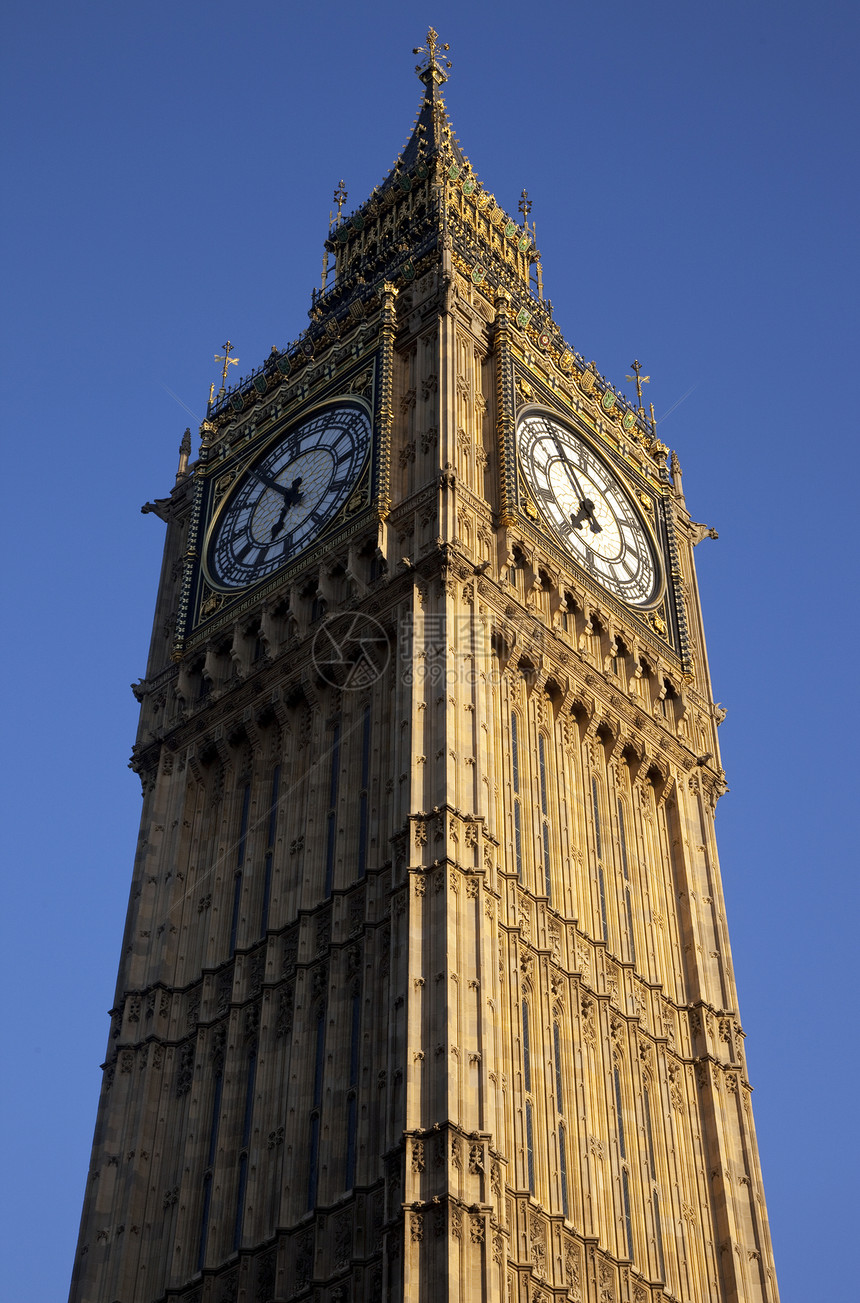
{"x":598,"y":843}
{"x":544,"y":808}
{"x":622,"y":1151}
{"x":319,"y":1063}
{"x":331,"y":829}
{"x":625,"y":873}
{"x":515,"y":767}
{"x":218,"y":1087}
{"x":271,"y":832}
{"x":652,"y":1171}
{"x":559,"y":1091}
{"x":352,"y":1093}
{"x":530,"y":1146}
{"x":363,"y":793}
{"x":562,"y":1168}
{"x":240,"y":863}
{"x":527,"y":1066}
{"x":243,"y":1154}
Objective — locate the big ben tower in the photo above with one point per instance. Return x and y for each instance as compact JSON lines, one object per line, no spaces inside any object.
{"x":425,"y":993}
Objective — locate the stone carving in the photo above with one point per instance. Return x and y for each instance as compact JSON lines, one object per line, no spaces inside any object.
{"x":265,"y":1277}
{"x":607,"y":1284}
{"x":537,"y":1245}
{"x":284,"y":1019}
{"x":304,"y":1261}
{"x":342,"y":1241}
{"x":571,"y":1272}
{"x":185,"y":1071}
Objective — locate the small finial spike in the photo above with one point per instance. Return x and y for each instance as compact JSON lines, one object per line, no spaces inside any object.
{"x":184,"y":454}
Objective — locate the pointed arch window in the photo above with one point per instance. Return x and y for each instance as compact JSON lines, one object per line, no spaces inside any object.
{"x":625,"y":873}
{"x":271,"y":832}
{"x":598,"y":842}
{"x":352,"y":1096}
{"x":622,"y":1150}
{"x":652,"y":1171}
{"x":363,"y":794}
{"x":246,"y":1141}
{"x":658,"y":1236}
{"x":530,"y":1146}
{"x":527,"y":1065}
{"x":240,"y":864}
{"x":559,"y":1092}
{"x":218,"y":1087}
{"x":515,"y":769}
{"x":331,"y":822}
{"x":544,"y":808}
{"x":319,"y":1063}
{"x":562,"y":1167}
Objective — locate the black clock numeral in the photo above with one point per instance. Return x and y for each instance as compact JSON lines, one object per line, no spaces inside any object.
{"x":240,"y":554}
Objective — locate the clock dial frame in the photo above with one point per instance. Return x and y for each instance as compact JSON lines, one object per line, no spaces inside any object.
{"x":571,"y":482}
{"x":287,"y":495}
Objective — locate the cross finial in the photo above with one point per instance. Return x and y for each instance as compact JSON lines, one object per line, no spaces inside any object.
{"x":525,"y":205}
{"x":431,"y":70}
{"x":228,"y":362}
{"x":641,"y":380}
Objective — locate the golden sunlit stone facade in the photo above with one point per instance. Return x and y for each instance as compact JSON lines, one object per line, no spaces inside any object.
{"x":426,"y":991}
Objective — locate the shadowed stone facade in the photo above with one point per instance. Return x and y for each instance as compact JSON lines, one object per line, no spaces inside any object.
{"x":426,"y":991}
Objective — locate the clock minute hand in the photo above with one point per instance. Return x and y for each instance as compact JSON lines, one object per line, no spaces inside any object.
{"x":270,"y":482}
{"x":586,"y":506}
{"x":292,"y":497}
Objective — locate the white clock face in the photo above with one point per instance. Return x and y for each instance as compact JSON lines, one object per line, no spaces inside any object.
{"x":282,"y":501}
{"x":588,"y":508}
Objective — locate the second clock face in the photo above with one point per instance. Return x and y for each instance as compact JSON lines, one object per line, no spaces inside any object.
{"x":589,"y":509}
{"x":282,"y":501}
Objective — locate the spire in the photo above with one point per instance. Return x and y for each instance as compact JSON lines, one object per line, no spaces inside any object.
{"x":432,"y":130}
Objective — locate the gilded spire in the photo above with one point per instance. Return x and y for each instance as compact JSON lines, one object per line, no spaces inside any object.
{"x":431,"y":71}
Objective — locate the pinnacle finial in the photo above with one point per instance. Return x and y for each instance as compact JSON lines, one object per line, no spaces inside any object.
{"x":228,"y":362}
{"x":636,"y":368}
{"x":340,"y":198}
{"x":431,"y":71}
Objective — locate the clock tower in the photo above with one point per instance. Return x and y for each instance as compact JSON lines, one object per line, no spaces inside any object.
{"x":425,"y":991}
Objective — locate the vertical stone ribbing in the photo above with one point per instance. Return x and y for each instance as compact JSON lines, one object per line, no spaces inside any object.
{"x":385,"y":411}
{"x":505,"y":412}
{"x":677,"y":588}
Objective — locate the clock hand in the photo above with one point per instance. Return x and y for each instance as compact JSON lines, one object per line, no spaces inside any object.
{"x":586,"y":512}
{"x":586,"y":506}
{"x":292,"y":497}
{"x":271,"y":483}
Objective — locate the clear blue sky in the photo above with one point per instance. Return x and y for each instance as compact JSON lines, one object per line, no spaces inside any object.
{"x":168,"y":172}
